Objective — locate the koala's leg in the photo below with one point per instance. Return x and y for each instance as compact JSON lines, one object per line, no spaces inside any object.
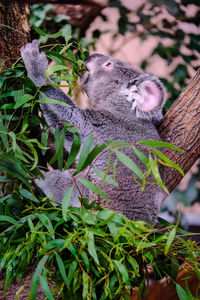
{"x":56,"y":183}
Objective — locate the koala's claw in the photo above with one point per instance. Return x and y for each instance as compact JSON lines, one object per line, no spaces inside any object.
{"x":35,"y":62}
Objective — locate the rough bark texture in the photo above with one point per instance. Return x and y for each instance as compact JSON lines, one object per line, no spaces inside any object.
{"x":14,"y":30}
{"x":181,"y":127}
{"x":80,"y":15}
{"x":74,"y":2}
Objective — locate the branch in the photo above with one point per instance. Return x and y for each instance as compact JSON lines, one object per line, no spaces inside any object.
{"x":181,"y":127}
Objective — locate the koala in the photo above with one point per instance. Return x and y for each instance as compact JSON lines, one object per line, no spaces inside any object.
{"x":125,"y":104}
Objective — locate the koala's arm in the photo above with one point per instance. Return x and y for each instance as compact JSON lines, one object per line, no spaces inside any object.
{"x":36,"y":64}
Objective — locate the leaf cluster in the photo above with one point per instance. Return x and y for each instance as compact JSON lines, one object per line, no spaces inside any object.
{"x":90,"y":254}
{"x":55,"y":26}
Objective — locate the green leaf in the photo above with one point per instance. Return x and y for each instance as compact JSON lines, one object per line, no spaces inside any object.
{"x":44,"y":140}
{"x":129,"y":163}
{"x":85,"y":285}
{"x":26,"y":194}
{"x":107,"y":178}
{"x":22,"y":99}
{"x":15,"y":169}
{"x":36,"y":276}
{"x":93,"y":154}
{"x":84,"y":152}
{"x":61,"y":267}
{"x":52,"y":101}
{"x":181,"y":292}
{"x":74,"y":149}
{"x":71,"y":271}
{"x":8,"y":277}
{"x":59,"y":151}
{"x":168,"y":161}
{"x":174,"y":268}
{"x":118,"y":144}
{"x":86,"y":260}
{"x":44,"y":285}
{"x":54,"y":69}
{"x":170,"y":239}
{"x":13,"y":137}
{"x":66,"y":201}
{"x":91,"y":247}
{"x":160,"y":144}
{"x":8,"y":219}
{"x":71,"y":55}
{"x":47,"y":223}
{"x":42,"y":33}
{"x":92,"y":187}
{"x":134,"y":264}
{"x":155,"y":173}
{"x":56,"y":243}
{"x":141,"y":156}
{"x":122,"y":269}
{"x":58,"y":58}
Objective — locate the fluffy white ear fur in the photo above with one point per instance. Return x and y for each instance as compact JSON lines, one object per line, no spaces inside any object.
{"x":146,"y":96}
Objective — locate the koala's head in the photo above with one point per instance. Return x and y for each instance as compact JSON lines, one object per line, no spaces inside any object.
{"x":113,"y":85}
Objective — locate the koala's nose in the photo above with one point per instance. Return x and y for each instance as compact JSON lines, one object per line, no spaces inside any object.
{"x":89,"y":63}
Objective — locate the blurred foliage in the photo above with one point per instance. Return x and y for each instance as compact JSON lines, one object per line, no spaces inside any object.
{"x":43,"y":18}
{"x":163,"y":19}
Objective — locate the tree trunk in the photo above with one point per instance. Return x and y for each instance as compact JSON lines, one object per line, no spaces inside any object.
{"x":14,"y":30}
{"x":181,"y":127}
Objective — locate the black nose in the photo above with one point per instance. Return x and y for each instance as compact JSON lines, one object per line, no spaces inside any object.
{"x":93,"y":57}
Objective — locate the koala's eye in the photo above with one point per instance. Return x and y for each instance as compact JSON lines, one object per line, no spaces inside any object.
{"x":108,"y":65}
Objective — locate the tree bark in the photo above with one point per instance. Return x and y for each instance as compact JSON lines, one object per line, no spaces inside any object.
{"x":14,"y":30}
{"x":181,"y":127}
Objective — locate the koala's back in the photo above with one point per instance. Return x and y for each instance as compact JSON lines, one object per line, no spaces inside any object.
{"x":142,"y":205}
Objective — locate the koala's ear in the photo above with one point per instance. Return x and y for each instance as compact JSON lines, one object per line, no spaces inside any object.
{"x":146,"y":95}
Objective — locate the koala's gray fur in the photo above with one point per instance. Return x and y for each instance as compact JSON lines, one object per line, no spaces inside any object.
{"x":124,"y":104}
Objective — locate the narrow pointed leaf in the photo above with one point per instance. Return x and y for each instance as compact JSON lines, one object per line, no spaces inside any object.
{"x":168,"y":161}
{"x":92,"y":187}
{"x":46,"y":289}
{"x":91,"y":247}
{"x":160,"y":144}
{"x":170,"y":239}
{"x":107,"y":178}
{"x":47,"y":223}
{"x":181,"y":292}
{"x":129,"y":163}
{"x":61,"y":267}
{"x":85,"y":152}
{"x":74,"y":149}
{"x":66,"y":202}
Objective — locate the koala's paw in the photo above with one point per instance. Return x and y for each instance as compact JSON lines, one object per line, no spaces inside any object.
{"x":35,"y":62}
